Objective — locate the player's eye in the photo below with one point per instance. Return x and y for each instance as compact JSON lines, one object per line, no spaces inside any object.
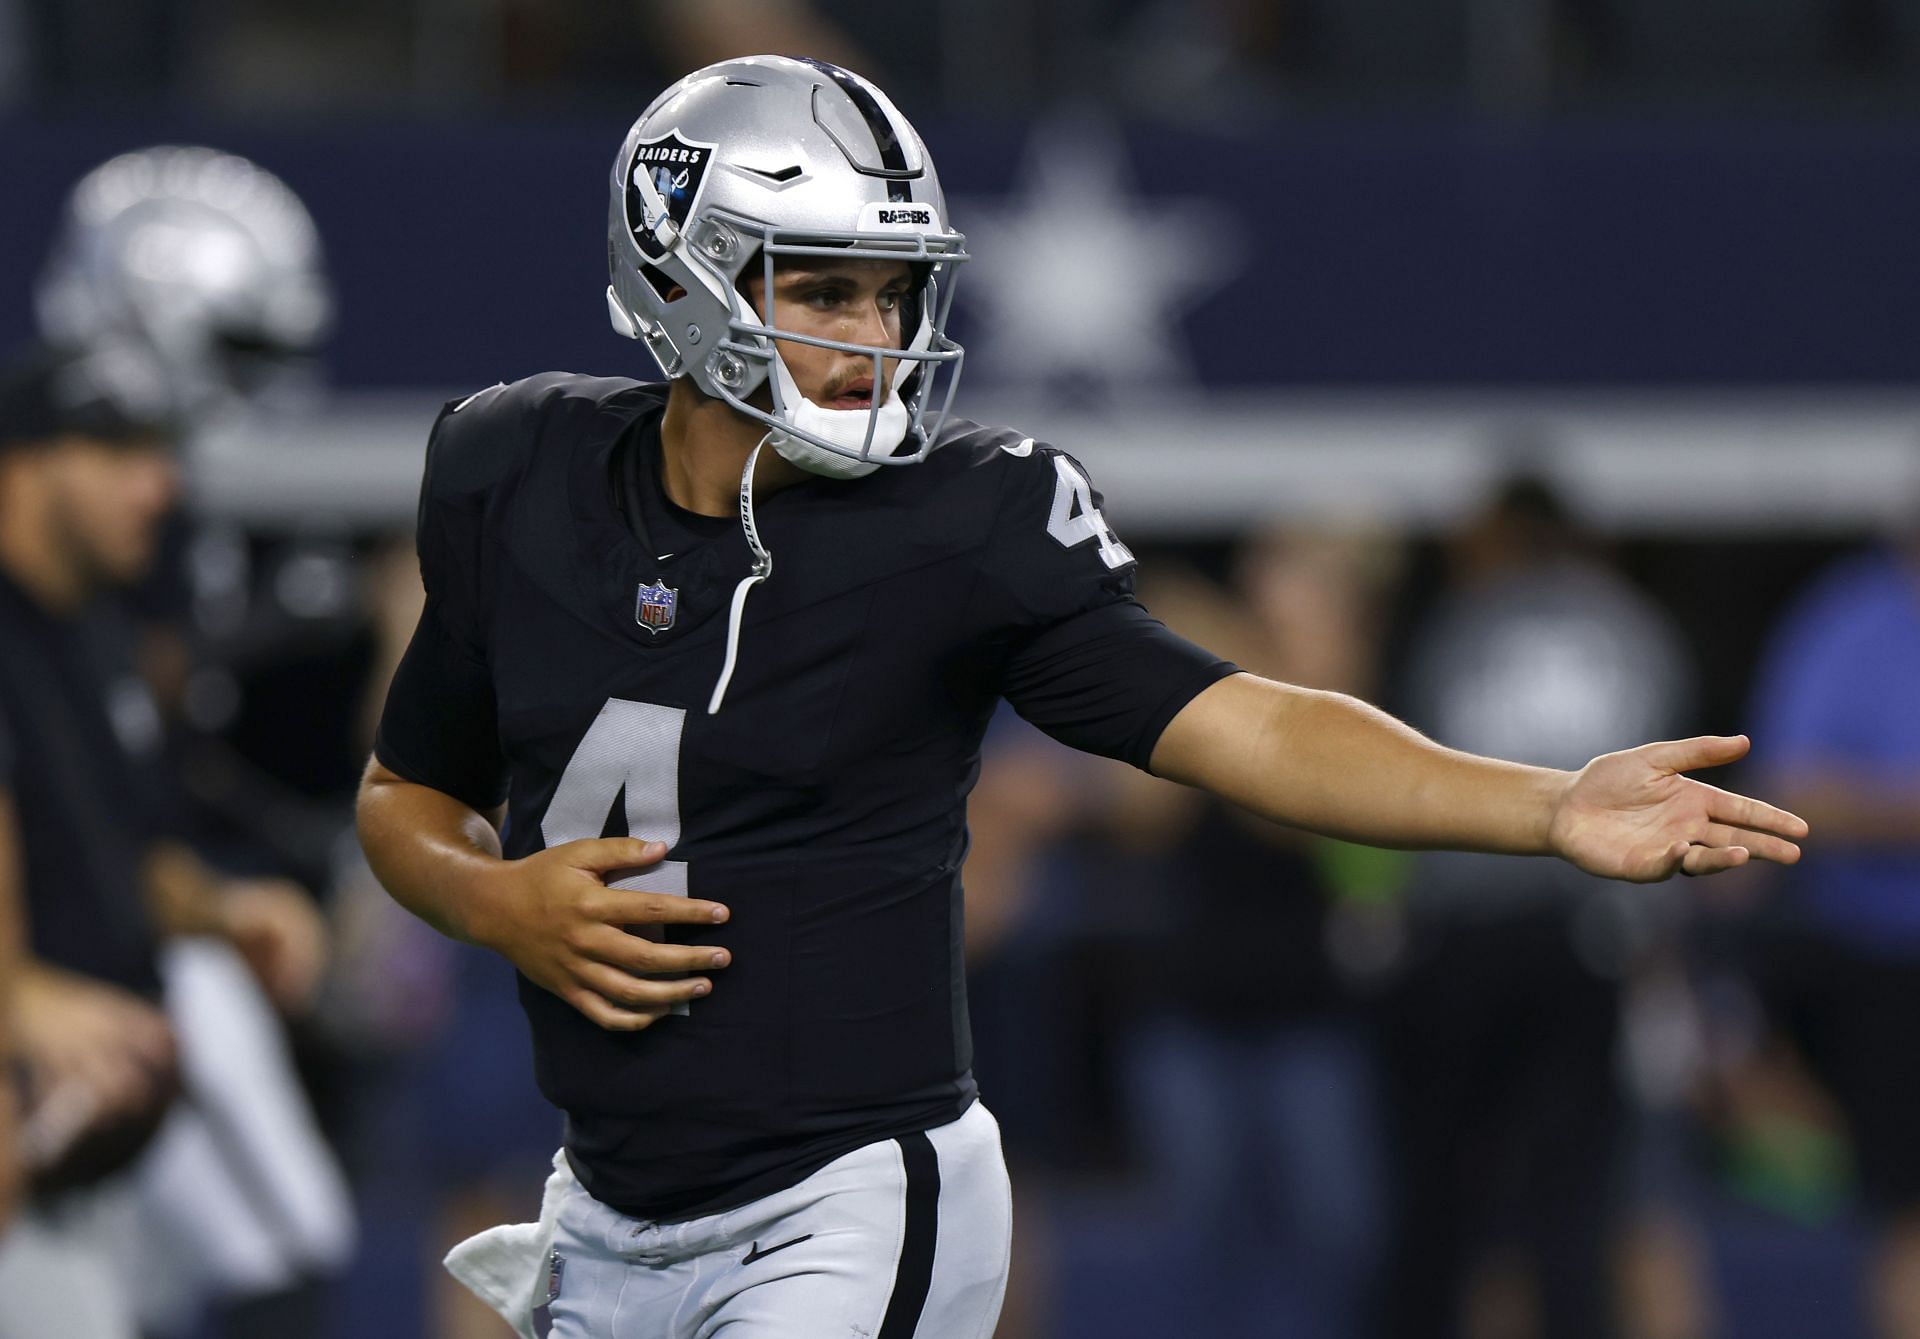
{"x":892,"y":298}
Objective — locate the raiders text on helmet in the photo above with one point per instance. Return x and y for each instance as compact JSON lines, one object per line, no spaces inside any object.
{"x":751,"y":160}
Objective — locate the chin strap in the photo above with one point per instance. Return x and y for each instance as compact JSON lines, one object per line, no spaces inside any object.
{"x":762,"y":569}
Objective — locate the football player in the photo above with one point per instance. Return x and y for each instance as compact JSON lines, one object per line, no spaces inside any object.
{"x":208,"y":266}
{"x":688,"y":724}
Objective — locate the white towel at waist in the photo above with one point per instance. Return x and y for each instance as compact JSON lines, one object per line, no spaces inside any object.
{"x":506,"y":1267}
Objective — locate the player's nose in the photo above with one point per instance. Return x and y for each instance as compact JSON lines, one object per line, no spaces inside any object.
{"x":868,"y":323}
{"x":866,"y":330}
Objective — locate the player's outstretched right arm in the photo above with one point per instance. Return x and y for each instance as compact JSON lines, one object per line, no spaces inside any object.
{"x":551,"y":914}
{"x":1332,"y":764}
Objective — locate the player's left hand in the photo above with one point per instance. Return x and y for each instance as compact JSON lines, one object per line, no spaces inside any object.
{"x":279,"y":931}
{"x":1632,"y":815}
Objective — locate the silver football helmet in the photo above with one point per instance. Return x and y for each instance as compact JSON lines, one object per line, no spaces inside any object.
{"x":204,"y":257}
{"x":751,"y":160}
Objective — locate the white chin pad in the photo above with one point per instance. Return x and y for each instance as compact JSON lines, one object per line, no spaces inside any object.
{"x":845,"y":428}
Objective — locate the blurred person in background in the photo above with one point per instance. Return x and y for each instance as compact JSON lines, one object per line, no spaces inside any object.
{"x":1251,"y":1088}
{"x":208,"y":267}
{"x":273,"y":646}
{"x":87,"y":473}
{"x":12,"y":932}
{"x":1501,"y":1032}
{"x":1838,"y":695}
{"x":782,"y":1148}
{"x":213,"y":266}
{"x":1028,"y":989}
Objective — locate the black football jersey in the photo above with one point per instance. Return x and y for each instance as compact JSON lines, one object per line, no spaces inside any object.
{"x":84,"y":803}
{"x":575,"y":628}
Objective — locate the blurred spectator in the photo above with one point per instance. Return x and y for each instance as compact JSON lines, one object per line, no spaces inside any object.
{"x":86,"y":476}
{"x":1183,"y":59}
{"x":1838,"y":706}
{"x":86,"y":473}
{"x":1718,"y":48}
{"x":354,"y":53}
{"x":12,"y":927}
{"x":13,"y":54}
{"x":701,"y":33}
{"x":1027,"y":943}
{"x":1503,"y":1024}
{"x":96,"y":52}
{"x":1251,"y":1092}
{"x":207,"y":267}
{"x":1211,"y":58}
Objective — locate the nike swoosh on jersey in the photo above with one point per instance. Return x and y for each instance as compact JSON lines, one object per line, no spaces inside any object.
{"x":755,"y":1253}
{"x":1025,"y":448}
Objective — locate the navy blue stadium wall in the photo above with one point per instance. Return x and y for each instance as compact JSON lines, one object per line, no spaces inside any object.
{"x":1468,"y":254}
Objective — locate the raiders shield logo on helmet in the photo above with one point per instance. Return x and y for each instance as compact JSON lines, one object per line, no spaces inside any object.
{"x":677,"y":168}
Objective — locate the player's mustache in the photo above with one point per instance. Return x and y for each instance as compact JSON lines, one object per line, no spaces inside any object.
{"x":843,"y":384}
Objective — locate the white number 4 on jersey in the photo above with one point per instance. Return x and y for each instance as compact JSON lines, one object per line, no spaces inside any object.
{"x":1075,"y":520}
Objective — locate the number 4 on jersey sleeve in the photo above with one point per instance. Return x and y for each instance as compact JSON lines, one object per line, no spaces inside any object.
{"x":1051,"y":553}
{"x":1074,"y":518}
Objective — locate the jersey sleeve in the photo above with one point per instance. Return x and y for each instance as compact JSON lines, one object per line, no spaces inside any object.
{"x":1086,"y":662}
{"x":439,"y":727}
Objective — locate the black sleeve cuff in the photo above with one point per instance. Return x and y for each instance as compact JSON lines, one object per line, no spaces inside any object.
{"x":1108,"y":681}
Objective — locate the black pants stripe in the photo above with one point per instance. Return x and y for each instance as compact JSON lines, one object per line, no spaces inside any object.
{"x":914,"y":1274}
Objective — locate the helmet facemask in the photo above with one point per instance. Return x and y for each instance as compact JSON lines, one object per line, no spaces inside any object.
{"x":899,"y":426}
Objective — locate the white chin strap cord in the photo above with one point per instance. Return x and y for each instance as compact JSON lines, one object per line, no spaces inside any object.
{"x":762,"y":569}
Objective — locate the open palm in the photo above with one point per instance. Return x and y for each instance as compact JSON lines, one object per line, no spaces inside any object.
{"x":1633,"y":815}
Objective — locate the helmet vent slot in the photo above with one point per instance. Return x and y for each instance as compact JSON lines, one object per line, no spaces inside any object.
{"x":787,"y":173}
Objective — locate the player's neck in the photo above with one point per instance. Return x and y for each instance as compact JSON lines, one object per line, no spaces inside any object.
{"x":704,"y":446}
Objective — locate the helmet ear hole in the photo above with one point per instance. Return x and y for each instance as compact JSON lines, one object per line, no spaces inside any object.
{"x":665,"y":287}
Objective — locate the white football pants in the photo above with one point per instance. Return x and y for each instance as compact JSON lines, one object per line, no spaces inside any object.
{"x":903,"y":1239}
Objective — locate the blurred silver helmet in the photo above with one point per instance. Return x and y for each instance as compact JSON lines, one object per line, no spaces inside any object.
{"x":751,"y":160}
{"x":204,"y":257}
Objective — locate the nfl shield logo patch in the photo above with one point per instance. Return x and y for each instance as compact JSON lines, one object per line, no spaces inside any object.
{"x":655,"y":606}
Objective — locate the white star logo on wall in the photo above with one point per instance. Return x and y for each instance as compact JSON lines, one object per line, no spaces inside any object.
{"x":1079,"y":282}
